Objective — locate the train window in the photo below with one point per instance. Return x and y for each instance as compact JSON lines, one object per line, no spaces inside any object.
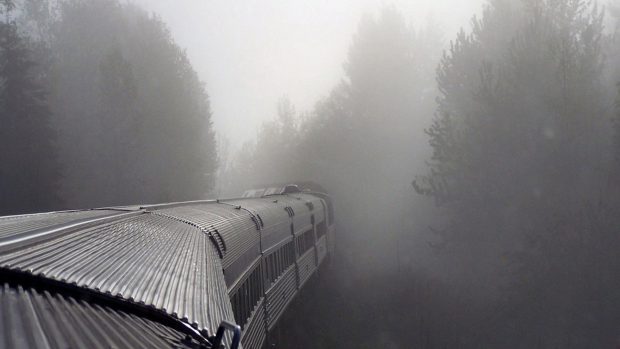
{"x":305,"y":241}
{"x":246,"y":300}
{"x":321,"y":229}
{"x":270,"y":268}
{"x":236,"y":304}
{"x":246,"y":297}
{"x":279,"y":261}
{"x":289,"y":254}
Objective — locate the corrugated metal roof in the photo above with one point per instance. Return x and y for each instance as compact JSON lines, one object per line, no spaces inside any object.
{"x":147,"y":259}
{"x":233,"y":229}
{"x":275,"y":219}
{"x":301,"y":220}
{"x":12,"y":225}
{"x":42,"y":319}
{"x":315,"y":203}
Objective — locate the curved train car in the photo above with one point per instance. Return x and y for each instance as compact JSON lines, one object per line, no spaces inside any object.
{"x":183,"y":275}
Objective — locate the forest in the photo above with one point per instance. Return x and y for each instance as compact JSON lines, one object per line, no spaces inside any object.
{"x":476,"y":174}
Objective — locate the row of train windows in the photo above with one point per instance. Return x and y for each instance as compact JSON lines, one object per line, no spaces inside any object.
{"x":277,"y":262}
{"x":305,"y":241}
{"x":246,"y":297}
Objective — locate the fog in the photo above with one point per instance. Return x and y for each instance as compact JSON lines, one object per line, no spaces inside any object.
{"x":269,"y":49}
{"x":472,"y":148}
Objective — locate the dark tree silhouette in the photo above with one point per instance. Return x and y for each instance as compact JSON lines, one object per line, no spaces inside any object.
{"x":134,"y":120}
{"x":520,"y":165}
{"x":28,"y":170}
{"x":616,"y":121}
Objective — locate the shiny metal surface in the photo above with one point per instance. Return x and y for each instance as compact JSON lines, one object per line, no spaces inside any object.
{"x":179,"y":261}
{"x":146,"y":259}
{"x":11,"y":225}
{"x":40,"y":319}
{"x":275,"y":220}
{"x":234,"y":227}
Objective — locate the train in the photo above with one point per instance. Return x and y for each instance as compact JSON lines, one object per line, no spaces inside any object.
{"x":197,"y":274}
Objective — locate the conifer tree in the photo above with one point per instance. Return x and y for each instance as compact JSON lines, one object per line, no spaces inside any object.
{"x":127,"y":94}
{"x":520,"y":142}
{"x":28,"y":175}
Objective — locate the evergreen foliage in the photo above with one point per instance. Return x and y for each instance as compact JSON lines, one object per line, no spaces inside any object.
{"x":521,"y":161}
{"x":131,"y":120}
{"x":29,"y":172}
{"x":521,"y":168}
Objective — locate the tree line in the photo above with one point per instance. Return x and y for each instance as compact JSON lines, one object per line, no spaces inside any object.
{"x":99,"y":107}
{"x":477,"y":190}
{"x":520,"y":157}
{"x":524,"y":166}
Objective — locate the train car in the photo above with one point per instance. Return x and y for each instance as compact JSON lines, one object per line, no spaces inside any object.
{"x":197,"y":274}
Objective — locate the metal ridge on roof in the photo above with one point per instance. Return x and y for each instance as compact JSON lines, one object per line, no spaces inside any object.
{"x":12,"y":225}
{"x":33,"y":317}
{"x":146,"y":259}
{"x":235,"y":227}
{"x":17,"y":233}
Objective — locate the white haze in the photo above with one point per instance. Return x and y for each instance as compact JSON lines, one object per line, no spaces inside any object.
{"x":251,"y":53}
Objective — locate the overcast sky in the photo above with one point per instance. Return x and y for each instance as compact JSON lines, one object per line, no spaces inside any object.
{"x":250,"y":53}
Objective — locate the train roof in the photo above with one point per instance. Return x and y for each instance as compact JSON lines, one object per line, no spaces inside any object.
{"x":138,"y":257}
{"x":36,"y":318}
{"x":117,"y":276}
{"x":267,"y":189}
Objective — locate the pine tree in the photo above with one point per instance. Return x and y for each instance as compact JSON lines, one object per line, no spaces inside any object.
{"x":28,"y":175}
{"x":519,"y":142}
{"x":134,"y":118}
{"x":518,"y":103}
{"x":120,"y":118}
{"x":617,"y":132}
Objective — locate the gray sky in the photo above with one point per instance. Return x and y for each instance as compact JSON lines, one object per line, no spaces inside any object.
{"x":250,"y":53}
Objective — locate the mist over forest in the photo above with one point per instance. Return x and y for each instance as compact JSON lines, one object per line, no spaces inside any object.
{"x":476,"y":173}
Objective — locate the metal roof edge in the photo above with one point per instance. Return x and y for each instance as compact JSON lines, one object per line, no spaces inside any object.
{"x":35,"y":236}
{"x":89,"y":295}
